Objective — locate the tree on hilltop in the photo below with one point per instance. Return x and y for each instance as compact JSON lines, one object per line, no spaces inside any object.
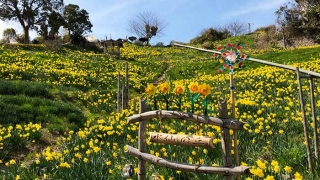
{"x":147,"y":25}
{"x":77,"y":22}
{"x":29,"y":13}
{"x":236,"y":28}
{"x":49,"y":29}
{"x":9,"y":34}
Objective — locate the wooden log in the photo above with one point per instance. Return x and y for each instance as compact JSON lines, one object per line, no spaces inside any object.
{"x":181,"y":139}
{"x":227,"y":123}
{"x":225,"y":138}
{"x":239,"y":170}
{"x":142,"y":175}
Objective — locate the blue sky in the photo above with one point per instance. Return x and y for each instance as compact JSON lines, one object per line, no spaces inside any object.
{"x":185,"y":18}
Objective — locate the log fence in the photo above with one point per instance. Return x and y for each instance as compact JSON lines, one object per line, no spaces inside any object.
{"x":227,"y":170}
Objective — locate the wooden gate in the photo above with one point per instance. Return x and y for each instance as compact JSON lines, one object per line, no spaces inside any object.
{"x":227,"y":170}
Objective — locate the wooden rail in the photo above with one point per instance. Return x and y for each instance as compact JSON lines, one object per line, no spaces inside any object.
{"x":226,"y":123}
{"x":232,"y":171}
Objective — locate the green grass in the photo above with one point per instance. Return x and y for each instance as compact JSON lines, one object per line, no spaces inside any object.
{"x":66,"y":106}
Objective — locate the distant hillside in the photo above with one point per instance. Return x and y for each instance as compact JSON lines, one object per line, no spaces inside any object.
{"x":262,"y":40}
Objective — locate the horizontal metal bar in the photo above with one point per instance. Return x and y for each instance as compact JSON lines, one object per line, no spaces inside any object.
{"x":311,"y":73}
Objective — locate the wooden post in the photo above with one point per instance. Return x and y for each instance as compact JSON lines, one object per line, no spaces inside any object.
{"x":123,"y":96}
{"x":225,"y":137}
{"x":118,"y":48}
{"x":305,"y":128}
{"x":314,"y":117}
{"x":235,"y":132}
{"x":126,"y":89}
{"x":119,"y":95}
{"x":142,"y":141}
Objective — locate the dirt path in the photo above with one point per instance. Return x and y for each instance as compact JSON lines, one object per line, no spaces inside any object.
{"x":162,"y":76}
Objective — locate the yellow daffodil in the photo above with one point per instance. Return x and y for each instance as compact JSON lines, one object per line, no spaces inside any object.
{"x":287,"y":169}
{"x":151,"y":89}
{"x":297,"y":176}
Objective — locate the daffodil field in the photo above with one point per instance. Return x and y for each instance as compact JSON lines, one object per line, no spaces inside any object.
{"x":74,"y":94}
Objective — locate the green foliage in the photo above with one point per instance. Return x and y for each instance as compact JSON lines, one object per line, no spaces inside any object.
{"x":70,"y":80}
{"x":9,"y":34}
{"x":208,"y":36}
{"x":312,"y":26}
{"x":23,"y":109}
{"x":24,"y":11}
{"x":77,"y":22}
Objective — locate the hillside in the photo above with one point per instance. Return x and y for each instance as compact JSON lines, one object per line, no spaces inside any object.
{"x":72,"y":94}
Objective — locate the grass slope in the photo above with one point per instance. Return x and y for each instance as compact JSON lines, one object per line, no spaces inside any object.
{"x":78,"y":89}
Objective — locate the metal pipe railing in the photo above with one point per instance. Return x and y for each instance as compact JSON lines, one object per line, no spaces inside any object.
{"x":311,"y":73}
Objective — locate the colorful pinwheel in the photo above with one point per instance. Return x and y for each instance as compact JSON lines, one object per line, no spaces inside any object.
{"x":231,"y":56}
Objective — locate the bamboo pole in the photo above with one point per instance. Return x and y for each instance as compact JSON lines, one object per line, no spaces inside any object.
{"x":239,"y":170}
{"x":258,"y":61}
{"x":123,"y":96}
{"x":305,"y":128}
{"x":225,"y":138}
{"x":126,"y":88}
{"x":119,"y":94}
{"x":235,"y":132}
{"x":227,"y":123}
{"x":314,"y":117}
{"x":142,"y":175}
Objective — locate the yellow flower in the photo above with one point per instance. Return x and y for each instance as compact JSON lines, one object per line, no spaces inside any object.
{"x":287,"y":169}
{"x":204,"y":89}
{"x":12,"y":161}
{"x":165,"y":87}
{"x":244,"y":164}
{"x":108,"y":163}
{"x":78,"y":155}
{"x":259,"y":172}
{"x":18,"y":177}
{"x":193,"y":87}
{"x":274,"y":163}
{"x":297,"y":176}
{"x":193,"y":153}
{"x":179,"y":88}
{"x":269,"y":177}
{"x":65,"y":164}
{"x":96,"y":149}
{"x":151,"y":89}
{"x":281,"y":131}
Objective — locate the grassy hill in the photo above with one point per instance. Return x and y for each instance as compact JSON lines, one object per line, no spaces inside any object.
{"x":73,"y":93}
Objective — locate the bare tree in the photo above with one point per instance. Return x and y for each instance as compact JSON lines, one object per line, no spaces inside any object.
{"x":146,"y":25}
{"x":236,"y":28}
